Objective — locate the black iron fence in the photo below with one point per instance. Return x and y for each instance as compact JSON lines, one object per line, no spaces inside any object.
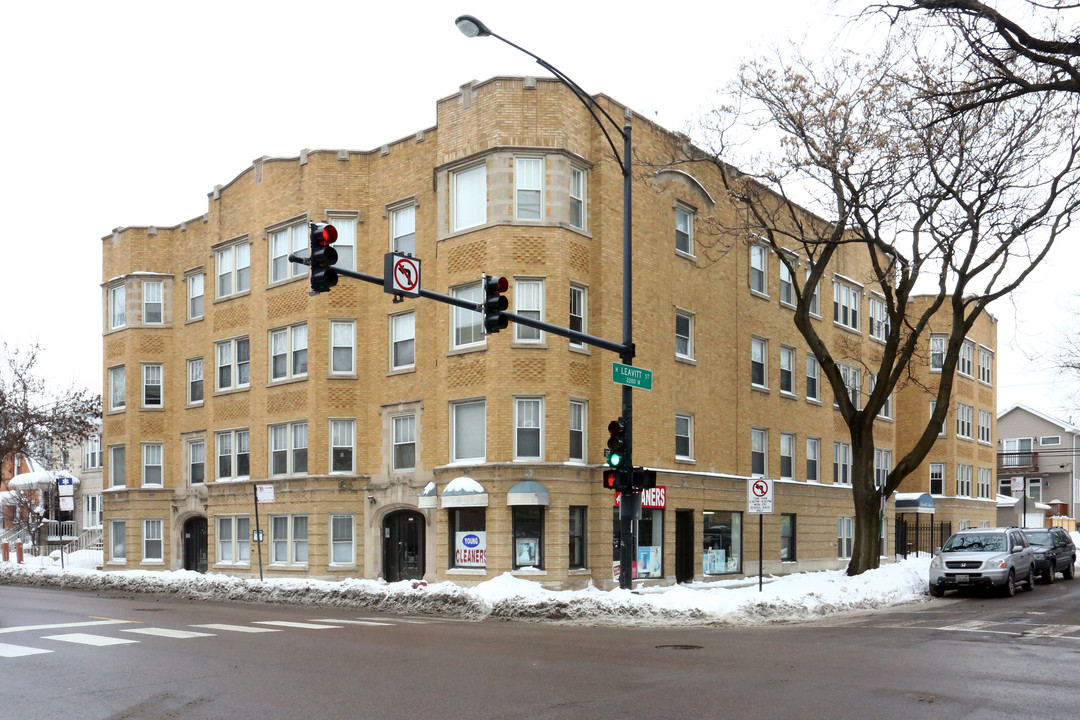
{"x":918,"y":536}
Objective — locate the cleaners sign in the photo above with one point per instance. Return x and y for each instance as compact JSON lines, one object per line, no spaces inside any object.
{"x":651,"y":499}
{"x":470,"y":549}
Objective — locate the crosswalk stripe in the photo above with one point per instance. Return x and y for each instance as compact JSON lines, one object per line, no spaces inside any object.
{"x":57,"y":626}
{"x":86,"y":639}
{"x":354,"y":622}
{"x":12,"y":651}
{"x":1053,"y":630}
{"x":400,"y":620}
{"x":301,"y":625}
{"x":169,"y":633}
{"x":235,"y":628}
{"x":970,"y":625}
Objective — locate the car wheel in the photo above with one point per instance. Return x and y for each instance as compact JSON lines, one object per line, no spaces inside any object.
{"x":1009,"y":588}
{"x":1070,"y":571}
{"x":936,"y":591}
{"x":1048,"y":576}
{"x":1030,"y":584}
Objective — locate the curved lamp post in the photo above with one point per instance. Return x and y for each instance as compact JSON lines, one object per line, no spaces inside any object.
{"x":630,"y":504}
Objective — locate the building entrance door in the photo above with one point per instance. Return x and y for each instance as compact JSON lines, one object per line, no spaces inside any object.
{"x":403,"y":546}
{"x":195,"y":544}
{"x":684,"y":546}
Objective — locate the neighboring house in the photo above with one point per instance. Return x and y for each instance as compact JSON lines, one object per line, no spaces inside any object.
{"x":1043,"y":451}
{"x":396,"y":440}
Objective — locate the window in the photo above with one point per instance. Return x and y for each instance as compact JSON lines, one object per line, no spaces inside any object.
{"x":787,"y":537}
{"x":346,"y":241}
{"x":404,"y":429}
{"x":684,"y":334}
{"x":815,"y":297}
{"x":528,"y":428}
{"x":342,"y":437}
{"x":937,"y":478}
{"x":403,"y":341}
{"x":577,"y":199}
{"x":937,"y":352}
{"x":117,"y":540}
{"x":468,"y":538}
{"x":759,"y":353}
{"x":529,"y":188}
{"x":845,"y":537}
{"x":787,"y":286}
{"x":577,"y":431}
{"x":759,"y":268}
{"x":234,"y":540}
{"x":528,"y":302}
{"x":117,"y":307}
{"x":233,"y":455}
{"x":195,"y":381}
{"x":92,"y":452}
{"x":841,"y":474}
{"x":153,"y":302}
{"x":579,"y":555}
{"x":196,"y":461}
{"x":578,"y":321}
{"x":986,"y":366}
{"x":985,"y":482}
{"x":787,"y":370}
{"x":882,"y":466}
{"x":941,"y":430}
{"x":722,"y":548}
{"x":152,"y":465}
{"x":152,"y":541}
{"x":684,"y":231}
{"x":468,"y":431}
{"x":813,"y":374}
{"x":288,"y":448}
{"x":288,"y":539}
{"x":293,"y":238}
{"x":967,"y":358}
{"x":684,"y":437}
{"x":1048,"y":439}
{"x":234,"y":269}
{"x":342,"y":547}
{"x":151,"y":386}
{"x":963,"y":480}
{"x":92,"y":511}
{"x":342,"y":344}
{"x":886,"y":407}
{"x":288,"y":352}
{"x":1017,"y":452}
{"x":851,"y":379}
{"x":963,"y":420}
{"x":403,"y":230}
{"x":195,"y":292}
{"x":879,"y":319}
{"x":985,"y":427}
{"x":117,"y":466}
{"x":528,"y":531}
{"x":845,"y":305}
{"x":1034,"y":488}
{"x":116,"y":388}
{"x":759,"y":447}
{"x":469,"y":197}
{"x":233,"y":363}
{"x":467,"y":325}
{"x":787,"y":456}
{"x":813,"y":459}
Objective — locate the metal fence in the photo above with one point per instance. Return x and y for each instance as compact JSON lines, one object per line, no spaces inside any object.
{"x":914,"y":538}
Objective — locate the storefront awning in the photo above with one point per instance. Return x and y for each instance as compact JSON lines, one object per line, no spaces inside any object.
{"x":528,"y":492}
{"x":428,"y":497}
{"x":918,"y":503}
{"x":464,"y":492}
{"x":39,"y":480}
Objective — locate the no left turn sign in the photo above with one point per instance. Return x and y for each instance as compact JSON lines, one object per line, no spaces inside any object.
{"x":759,"y":496}
{"x":402,"y":275}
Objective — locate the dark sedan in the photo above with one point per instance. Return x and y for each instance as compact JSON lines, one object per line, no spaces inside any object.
{"x":1055,"y":553}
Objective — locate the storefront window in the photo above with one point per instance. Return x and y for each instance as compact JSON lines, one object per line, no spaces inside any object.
{"x":468,"y":539}
{"x":787,"y":537}
{"x":650,"y":536}
{"x":528,"y":536}
{"x":722,"y":550}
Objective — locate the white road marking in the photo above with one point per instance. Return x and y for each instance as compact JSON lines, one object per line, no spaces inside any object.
{"x":11,"y":651}
{"x":85,"y":639}
{"x":87,"y":623}
{"x":353,"y":622}
{"x":1053,"y":630}
{"x":401,"y":620}
{"x":301,"y":625}
{"x":235,"y":628}
{"x":166,"y":632}
{"x":970,"y":625}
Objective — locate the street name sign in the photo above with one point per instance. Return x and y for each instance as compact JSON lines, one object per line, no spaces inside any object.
{"x":632,"y":376}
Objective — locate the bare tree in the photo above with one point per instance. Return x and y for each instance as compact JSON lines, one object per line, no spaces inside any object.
{"x":29,"y":512}
{"x":34,"y":418}
{"x":950,"y":211}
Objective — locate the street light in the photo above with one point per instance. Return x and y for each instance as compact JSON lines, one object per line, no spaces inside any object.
{"x":629,"y":506}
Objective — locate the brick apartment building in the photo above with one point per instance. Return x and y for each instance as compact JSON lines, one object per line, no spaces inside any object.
{"x":399,"y":440}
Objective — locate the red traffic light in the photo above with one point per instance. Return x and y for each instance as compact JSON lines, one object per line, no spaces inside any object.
{"x":323,"y":233}
{"x":611,"y":479}
{"x":496,"y":284}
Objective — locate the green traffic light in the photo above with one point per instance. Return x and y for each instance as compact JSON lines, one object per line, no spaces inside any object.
{"x":614,"y":459}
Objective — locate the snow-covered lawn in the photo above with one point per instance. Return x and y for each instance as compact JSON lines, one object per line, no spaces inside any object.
{"x":790,"y":598}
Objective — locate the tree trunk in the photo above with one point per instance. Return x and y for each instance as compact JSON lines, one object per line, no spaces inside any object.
{"x":866,"y":552}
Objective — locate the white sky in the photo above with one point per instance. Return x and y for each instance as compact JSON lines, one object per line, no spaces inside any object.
{"x":128,"y":113}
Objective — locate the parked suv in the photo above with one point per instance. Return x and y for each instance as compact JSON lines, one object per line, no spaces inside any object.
{"x":1055,"y":552}
{"x":984,"y":557}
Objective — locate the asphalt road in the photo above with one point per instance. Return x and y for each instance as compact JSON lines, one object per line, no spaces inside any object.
{"x":155,"y":657}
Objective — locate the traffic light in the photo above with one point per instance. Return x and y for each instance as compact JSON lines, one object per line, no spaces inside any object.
{"x":643,"y":479}
{"x":611,"y":478}
{"x":617,"y":455}
{"x":494,"y":303}
{"x":322,"y":257}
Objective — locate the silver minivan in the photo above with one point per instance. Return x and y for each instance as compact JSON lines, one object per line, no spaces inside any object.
{"x":983,"y":558}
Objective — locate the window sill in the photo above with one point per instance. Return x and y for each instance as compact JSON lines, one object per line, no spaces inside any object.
{"x":231,"y":566}
{"x":121,"y":562}
{"x":685,"y":359}
{"x":688,"y":460}
{"x":789,"y":306}
{"x":226,"y":298}
{"x":813,"y":401}
{"x":401,"y":370}
{"x":479,"y":572}
{"x":527,"y":344}
{"x":153,"y":408}
{"x":788,"y":395}
{"x":152,"y":562}
{"x":231,"y":391}
{"x":285,"y":281}
{"x":341,"y":566}
{"x":685,"y":255}
{"x":286,"y":381}
{"x":760,"y":388}
{"x":342,"y":376}
{"x":152,"y":487}
{"x":115,"y":488}
{"x":583,"y":349}
{"x":760,"y":294}
{"x":847,"y":328}
{"x":528,"y":572}
{"x":116,"y":411}
{"x":579,"y":571}
{"x":465,"y":349}
{"x":190,"y":406}
{"x":194,"y":319}
{"x":292,"y":567}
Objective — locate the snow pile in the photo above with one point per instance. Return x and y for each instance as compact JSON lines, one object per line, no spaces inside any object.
{"x":790,"y":598}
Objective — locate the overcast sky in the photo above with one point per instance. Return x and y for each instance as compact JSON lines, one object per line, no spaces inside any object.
{"x":128,"y":113}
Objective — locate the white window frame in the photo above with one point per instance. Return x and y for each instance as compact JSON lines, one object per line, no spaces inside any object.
{"x":118,"y":530}
{"x":684,"y":230}
{"x":684,"y":428}
{"x":92,"y":452}
{"x":230,"y":542}
{"x":938,"y":346}
{"x":986,"y":365}
{"x":845,"y":537}
{"x":886,"y":408}
{"x":528,"y":302}
{"x":787,"y":282}
{"x":813,"y":454}
{"x":196,"y":455}
{"x":117,"y":469}
{"x":196,"y":374}
{"x":466,"y":212}
{"x":92,"y":510}
{"x":759,"y":358}
{"x":153,"y":456}
{"x":985,"y":483}
{"x":233,"y":363}
{"x":342,"y":435}
{"x":937,"y":474}
{"x":153,"y":532}
{"x":295,"y":437}
{"x":965,"y":364}
{"x":403,"y":229}
{"x":117,"y":307}
{"x":281,"y":241}
{"x":467,"y":326}
{"x":456,"y":451}
{"x":684,"y":337}
{"x":787,"y":453}
{"x":579,"y":312}
{"x":403,"y":339}
{"x":815,"y":297}
{"x":882,"y":466}
{"x":153,"y":375}
{"x":986,"y":424}
{"x":402,"y":435}
{"x":290,"y":344}
{"x":852,"y":378}
{"x":759,"y":269}
{"x":846,"y":305}
{"x":842,"y":463}
{"x":117,"y":387}
{"x":528,"y":418}
{"x":813,"y":379}
{"x":153,"y":294}
{"x":196,"y":295}
{"x":341,"y":332}
{"x":787,"y":368}
{"x":342,"y":549}
{"x":234,"y":263}
{"x":578,"y":197}
{"x":943,"y":432}
{"x":1050,"y":440}
{"x":964,"y":420}
{"x":345,"y":245}
{"x":579,"y":416}
{"x":228,"y":443}
{"x":529,"y":184}
{"x":963,"y":480}
{"x":879,"y":318}
{"x":294,"y":543}
{"x":759,"y":451}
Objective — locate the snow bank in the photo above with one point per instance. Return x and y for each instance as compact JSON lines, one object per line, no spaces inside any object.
{"x":786,"y":599}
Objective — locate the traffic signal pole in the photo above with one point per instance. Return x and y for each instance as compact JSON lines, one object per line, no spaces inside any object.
{"x":630,"y":502}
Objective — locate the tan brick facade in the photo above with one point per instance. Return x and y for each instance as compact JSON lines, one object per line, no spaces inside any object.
{"x":500,"y":125}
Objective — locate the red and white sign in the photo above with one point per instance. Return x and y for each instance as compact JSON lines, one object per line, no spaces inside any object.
{"x":406,"y":275}
{"x":470,"y":549}
{"x":264,"y":494}
{"x":759,"y":496}
{"x":651,"y":499}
